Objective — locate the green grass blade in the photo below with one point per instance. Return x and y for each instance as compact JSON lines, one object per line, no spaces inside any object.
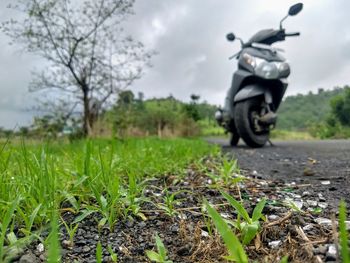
{"x":249,"y":232}
{"x":231,"y":241}
{"x":5,"y":223}
{"x":54,"y":243}
{"x":257,"y":212}
{"x":343,"y":233}
{"x":153,"y":256}
{"x":238,"y":206}
{"x":161,"y":248}
{"x":99,"y":252}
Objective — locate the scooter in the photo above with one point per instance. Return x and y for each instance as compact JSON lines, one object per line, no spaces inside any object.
{"x":258,"y":86}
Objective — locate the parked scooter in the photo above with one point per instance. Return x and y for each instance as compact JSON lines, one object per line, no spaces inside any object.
{"x":258,"y":86}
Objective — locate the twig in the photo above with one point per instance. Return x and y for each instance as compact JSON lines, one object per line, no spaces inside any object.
{"x":315,"y":242}
{"x":280,"y":221}
{"x":335,"y":236}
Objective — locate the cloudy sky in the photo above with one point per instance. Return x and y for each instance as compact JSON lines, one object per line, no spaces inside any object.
{"x":189,"y":36}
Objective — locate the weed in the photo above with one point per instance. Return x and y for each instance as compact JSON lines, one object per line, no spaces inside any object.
{"x":71,"y":230}
{"x":233,"y":245}
{"x":113,"y":255}
{"x":250,"y":227}
{"x":161,"y":255}
{"x":170,"y":202}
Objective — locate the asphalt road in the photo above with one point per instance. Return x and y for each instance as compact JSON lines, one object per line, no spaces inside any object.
{"x":325,"y":165}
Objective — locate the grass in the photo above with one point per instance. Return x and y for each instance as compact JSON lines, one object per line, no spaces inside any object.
{"x":285,"y":135}
{"x":105,"y":177}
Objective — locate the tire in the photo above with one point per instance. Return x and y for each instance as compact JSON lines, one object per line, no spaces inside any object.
{"x":234,"y":136}
{"x":244,"y":122}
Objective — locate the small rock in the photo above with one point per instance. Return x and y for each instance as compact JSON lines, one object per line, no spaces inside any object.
{"x":204,"y":234}
{"x":28,"y":258}
{"x":331,"y":253}
{"x":321,"y":198}
{"x":308,"y":227}
{"x":299,"y":204}
{"x":306,"y":193}
{"x":308,"y":172}
{"x":273,"y":217}
{"x":86,"y":249}
{"x":275,"y":244}
{"x":323,"y":221}
{"x":311,"y":203}
{"x":323,"y":205}
{"x":347,"y":223}
{"x":40,"y":248}
{"x":67,"y":243}
{"x":326,"y":182}
{"x":225,"y":215}
{"x":182,"y":216}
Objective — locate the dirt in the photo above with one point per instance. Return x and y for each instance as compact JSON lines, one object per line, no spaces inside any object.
{"x":303,"y":162}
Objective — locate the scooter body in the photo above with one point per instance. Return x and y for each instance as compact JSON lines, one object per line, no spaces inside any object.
{"x":257,"y":88}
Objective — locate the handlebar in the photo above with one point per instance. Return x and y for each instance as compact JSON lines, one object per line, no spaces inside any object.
{"x":294,"y":34}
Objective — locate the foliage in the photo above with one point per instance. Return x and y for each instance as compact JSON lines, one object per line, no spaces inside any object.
{"x":88,"y":56}
{"x":162,"y":116}
{"x":300,"y":111}
{"x":161,"y":256}
{"x":341,"y":108}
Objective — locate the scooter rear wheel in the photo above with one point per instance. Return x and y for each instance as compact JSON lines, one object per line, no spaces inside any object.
{"x":244,"y":122}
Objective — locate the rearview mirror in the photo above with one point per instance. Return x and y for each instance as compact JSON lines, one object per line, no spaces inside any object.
{"x":230,"y":37}
{"x":295,"y":9}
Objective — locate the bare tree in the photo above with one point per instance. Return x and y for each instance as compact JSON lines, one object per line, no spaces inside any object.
{"x":90,"y":58}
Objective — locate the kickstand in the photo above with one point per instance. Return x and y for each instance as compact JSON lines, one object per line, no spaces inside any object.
{"x":271,"y":144}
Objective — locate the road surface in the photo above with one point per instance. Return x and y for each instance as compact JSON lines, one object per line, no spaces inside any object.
{"x":323,"y":164}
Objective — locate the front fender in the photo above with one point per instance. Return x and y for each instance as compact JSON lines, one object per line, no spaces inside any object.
{"x":251,"y":91}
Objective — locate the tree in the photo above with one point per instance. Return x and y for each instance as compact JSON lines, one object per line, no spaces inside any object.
{"x":89,"y":58}
{"x":341,"y":108}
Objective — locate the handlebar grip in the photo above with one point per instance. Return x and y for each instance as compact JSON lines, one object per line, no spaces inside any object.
{"x":295,"y":34}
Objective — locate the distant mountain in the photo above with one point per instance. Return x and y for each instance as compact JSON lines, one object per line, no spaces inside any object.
{"x":298,"y":112}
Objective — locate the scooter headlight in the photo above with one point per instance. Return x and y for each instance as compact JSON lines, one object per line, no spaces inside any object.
{"x":267,"y":70}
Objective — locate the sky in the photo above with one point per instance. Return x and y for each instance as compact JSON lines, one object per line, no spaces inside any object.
{"x":189,"y":37}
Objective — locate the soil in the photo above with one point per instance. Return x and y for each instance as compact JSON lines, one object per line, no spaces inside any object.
{"x":300,"y":213}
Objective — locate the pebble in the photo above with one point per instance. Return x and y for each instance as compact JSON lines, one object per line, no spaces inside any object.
{"x":275,"y":244}
{"x":40,"y":248}
{"x":321,"y":198}
{"x":28,"y":258}
{"x":308,"y":227}
{"x":225,"y":215}
{"x":204,"y":234}
{"x":305,"y":194}
{"x":323,"y":221}
{"x":273,"y":217}
{"x":86,"y":249}
{"x":323,"y":205}
{"x":331,"y":254}
{"x":311,"y":203}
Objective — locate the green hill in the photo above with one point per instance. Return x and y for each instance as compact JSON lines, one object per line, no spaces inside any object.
{"x":299,"y":111}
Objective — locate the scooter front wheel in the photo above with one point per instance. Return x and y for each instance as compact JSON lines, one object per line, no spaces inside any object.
{"x":234,"y":138}
{"x":245,"y":114}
